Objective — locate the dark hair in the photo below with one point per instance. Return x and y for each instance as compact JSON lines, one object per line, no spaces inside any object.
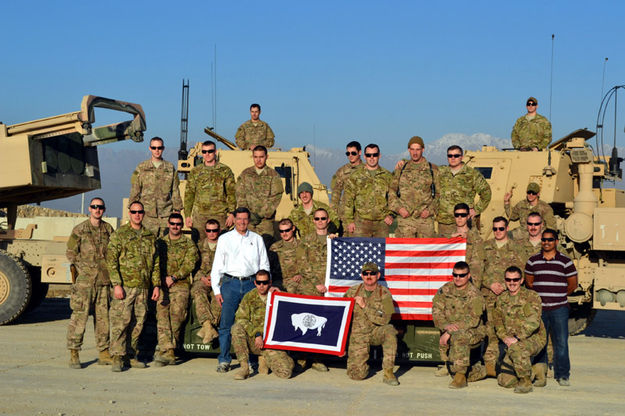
{"x":355,"y":144}
{"x":157,"y":138}
{"x":371,"y":146}
{"x":500,"y":219}
{"x":285,"y":221}
{"x":462,"y":205}
{"x":550,"y":231}
{"x":322,"y":209}
{"x":260,"y":148}
{"x":209,"y":143}
{"x":255,"y":105}
{"x":97,"y":197}
{"x":534,"y":214}
{"x":212,"y":221}
{"x":175,"y":215}
{"x":462,"y":265}
{"x":242,"y":210}
{"x":455,"y":147}
{"x":513,"y":269}
{"x":135,"y":202}
{"x":263,"y":272}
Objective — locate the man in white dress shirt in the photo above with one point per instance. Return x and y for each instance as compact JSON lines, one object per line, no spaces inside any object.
{"x":239,"y":255}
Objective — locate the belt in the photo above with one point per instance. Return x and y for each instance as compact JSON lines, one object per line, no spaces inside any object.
{"x":239,"y":277}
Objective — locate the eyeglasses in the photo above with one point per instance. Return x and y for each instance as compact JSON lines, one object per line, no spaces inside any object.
{"x":459,"y":274}
{"x":157,"y":147}
{"x":286,"y":230}
{"x":454,"y":156}
{"x":95,"y":206}
{"x":499,"y":228}
{"x":262,"y":282}
{"x":137,"y":211}
{"x":534,"y":224}
{"x":175,"y":224}
{"x":372,"y":154}
{"x":209,"y":151}
{"x":532,"y":193}
{"x":531,"y":104}
{"x":512,"y":279}
{"x":351,"y":153}
{"x":461,"y":214}
{"x":320,"y":218}
{"x":547,"y":239}
{"x":212,"y":230}
{"x":369,"y":273}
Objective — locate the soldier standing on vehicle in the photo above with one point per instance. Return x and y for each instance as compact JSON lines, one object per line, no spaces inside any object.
{"x":247,"y":333}
{"x":132,"y":263}
{"x":366,"y":198}
{"x":340,"y":178}
{"x":371,"y":326}
{"x":499,"y":254}
{"x":531,"y":131}
{"x":414,"y":193}
{"x":86,"y":250}
{"x":531,"y":203}
{"x":209,"y":192}
{"x":283,"y":256}
{"x":207,"y":308}
{"x":259,"y":189}
{"x":457,"y":310}
{"x":155,"y":184}
{"x":459,"y":183}
{"x":254,"y":132}
{"x":178,"y":256}
{"x":302,"y":215}
{"x":517,"y":321}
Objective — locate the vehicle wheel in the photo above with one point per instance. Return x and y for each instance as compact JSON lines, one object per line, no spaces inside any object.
{"x":580,"y":316}
{"x":39,"y":290}
{"x":15,"y":287}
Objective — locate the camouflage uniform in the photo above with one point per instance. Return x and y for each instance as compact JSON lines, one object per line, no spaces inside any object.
{"x":519,"y":316}
{"x":339,"y":181}
{"x":526,"y":247}
{"x":312,"y":257}
{"x":209,"y":194}
{"x":370,"y":326}
{"x":461,"y":187}
{"x":496,"y":261}
{"x":531,"y":133}
{"x":464,"y":308}
{"x":86,"y":250}
{"x":366,"y":201}
{"x":132,"y":262}
{"x":249,"y":321}
{"x":413,"y":183}
{"x":177,"y":258}
{"x":207,"y":308}
{"x":157,"y":189}
{"x":523,"y":208}
{"x":283,"y":260}
{"x":261,"y":194}
{"x":254,"y":133}
{"x":474,"y":255}
{"x":304,"y":222}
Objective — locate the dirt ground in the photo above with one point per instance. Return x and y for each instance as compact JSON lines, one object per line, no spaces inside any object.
{"x":35,"y":380}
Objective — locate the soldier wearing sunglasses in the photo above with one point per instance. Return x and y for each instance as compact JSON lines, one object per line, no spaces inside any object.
{"x":531,"y":203}
{"x":283,"y":256}
{"x":340,"y":178}
{"x":531,"y":131}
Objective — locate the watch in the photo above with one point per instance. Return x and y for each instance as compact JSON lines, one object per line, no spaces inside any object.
{"x":258,"y":334}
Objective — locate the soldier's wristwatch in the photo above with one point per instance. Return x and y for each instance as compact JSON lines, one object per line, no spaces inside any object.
{"x":173,"y":279}
{"x":258,"y":334}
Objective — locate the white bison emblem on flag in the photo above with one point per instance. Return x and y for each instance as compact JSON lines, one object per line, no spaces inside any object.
{"x":305,"y":321}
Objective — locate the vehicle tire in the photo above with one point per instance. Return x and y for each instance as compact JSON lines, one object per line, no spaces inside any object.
{"x":580,"y":316}
{"x":39,"y":290}
{"x":15,"y":287}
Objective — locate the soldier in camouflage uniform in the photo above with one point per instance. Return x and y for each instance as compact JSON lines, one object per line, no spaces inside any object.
{"x":210,"y":192}
{"x":366,"y":198}
{"x":414,"y":193}
{"x":529,"y":242}
{"x":531,"y":131}
{"x":247,"y":333}
{"x":254,"y":132}
{"x":531,"y":203}
{"x":312,"y":257}
{"x":283,"y":257}
{"x":457,"y":310}
{"x":207,"y":308}
{"x":340,"y":178}
{"x":499,"y":254}
{"x":259,"y":189}
{"x":518,"y":323}
{"x":155,"y":183}
{"x":178,"y":256}
{"x":132,"y":263}
{"x":302,"y":215}
{"x":86,"y":250}
{"x":371,"y":326}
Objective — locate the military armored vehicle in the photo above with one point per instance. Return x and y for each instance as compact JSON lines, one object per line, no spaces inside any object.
{"x":42,"y":160}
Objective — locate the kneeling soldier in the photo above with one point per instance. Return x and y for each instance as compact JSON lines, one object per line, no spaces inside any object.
{"x":517,"y":321}
{"x":247,"y":333}
{"x":370,"y":326}
{"x":457,"y":310}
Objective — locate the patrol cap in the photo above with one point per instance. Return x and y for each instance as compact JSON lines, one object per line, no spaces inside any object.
{"x":304,"y":187}
{"x":533,"y":186}
{"x":532,"y":99}
{"x":370,"y":267}
{"x":417,"y":140}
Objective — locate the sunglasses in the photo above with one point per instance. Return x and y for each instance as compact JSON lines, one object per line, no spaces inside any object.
{"x":534,"y":224}
{"x":175,"y":224}
{"x":531,"y":104}
{"x":532,"y":193}
{"x":499,"y":228}
{"x":320,"y":218}
{"x":372,"y":154}
{"x":212,"y":230}
{"x":262,"y":282}
{"x":454,"y":156}
{"x":351,"y":153}
{"x":286,"y":230}
{"x":461,"y":214}
{"x":547,"y":239}
{"x":512,"y":279}
{"x":209,"y":151}
{"x":137,"y":211}
{"x":157,"y":147}
{"x":95,"y":206}
{"x":369,"y":273}
{"x":459,"y":274}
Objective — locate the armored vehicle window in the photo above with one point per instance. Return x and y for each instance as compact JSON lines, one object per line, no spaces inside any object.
{"x":486,"y":172}
{"x":286,"y":172}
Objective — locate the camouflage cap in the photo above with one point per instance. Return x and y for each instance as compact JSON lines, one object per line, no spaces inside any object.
{"x":417,"y":140}
{"x":370,"y":266}
{"x":532,"y":99}
{"x":304,"y":187}
{"x":534,"y":187}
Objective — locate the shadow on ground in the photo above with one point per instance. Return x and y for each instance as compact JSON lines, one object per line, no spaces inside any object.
{"x":607,"y":324}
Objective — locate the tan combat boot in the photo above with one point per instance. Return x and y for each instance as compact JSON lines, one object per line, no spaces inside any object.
{"x":210,"y":333}
{"x":74,"y":360}
{"x":319,"y":366}
{"x":104,"y":358}
{"x":441,"y":371}
{"x":263,"y":368}
{"x":389,"y":377}
{"x":117,"y":365}
{"x":540,"y":371}
{"x":491,"y":370}
{"x":244,"y":372}
{"x":524,"y":386}
{"x":170,"y":357}
{"x":133,"y":362}
{"x":459,"y":381}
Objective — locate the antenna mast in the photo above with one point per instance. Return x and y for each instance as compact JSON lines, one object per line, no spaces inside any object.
{"x":184,"y":121}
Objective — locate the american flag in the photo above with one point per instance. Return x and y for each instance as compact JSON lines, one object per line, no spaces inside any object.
{"x":412,"y":268}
